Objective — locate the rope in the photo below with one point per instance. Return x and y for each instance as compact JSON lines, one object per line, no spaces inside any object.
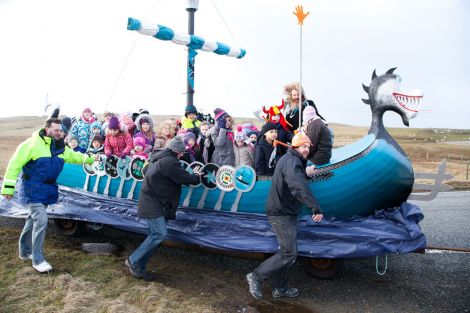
{"x":226,"y":26}
{"x":377,"y":265}
{"x":131,"y":50}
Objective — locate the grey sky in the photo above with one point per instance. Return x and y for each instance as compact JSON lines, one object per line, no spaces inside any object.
{"x":75,"y":51}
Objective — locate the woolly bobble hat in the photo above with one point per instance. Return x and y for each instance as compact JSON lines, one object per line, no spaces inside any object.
{"x":114,"y":123}
{"x":308,"y":114}
{"x":140,"y":141}
{"x":299,"y":139}
{"x":96,"y":124}
{"x":240,"y":134}
{"x":267,"y":127}
{"x":188,"y":135}
{"x":97,"y":138}
{"x":190,"y":109}
{"x":66,"y":124}
{"x":87,"y":110}
{"x":219,"y":113}
{"x":176,"y":144}
{"x":126,"y":119}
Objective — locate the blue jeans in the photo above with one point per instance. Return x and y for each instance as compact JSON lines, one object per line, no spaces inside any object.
{"x":32,"y":237}
{"x":277,"y":266}
{"x":156,"y":233}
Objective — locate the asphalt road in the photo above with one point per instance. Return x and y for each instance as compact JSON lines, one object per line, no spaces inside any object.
{"x":431,"y":282}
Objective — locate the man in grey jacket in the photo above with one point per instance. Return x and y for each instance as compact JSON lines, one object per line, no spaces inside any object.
{"x":158,"y":199}
{"x":289,"y":191}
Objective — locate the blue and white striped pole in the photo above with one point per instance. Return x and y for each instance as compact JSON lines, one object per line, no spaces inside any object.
{"x":193,"y":42}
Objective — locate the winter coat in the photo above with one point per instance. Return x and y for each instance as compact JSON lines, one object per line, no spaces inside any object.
{"x":320,"y":136}
{"x":41,"y":159}
{"x":119,"y":145}
{"x":244,"y":155}
{"x":82,"y":131}
{"x":161,"y":187}
{"x":292,"y":117}
{"x":284,"y":136}
{"x":263,"y":151}
{"x":186,"y":123}
{"x":223,"y":152}
{"x":206,"y":146}
{"x":289,"y":187}
{"x":95,"y":151}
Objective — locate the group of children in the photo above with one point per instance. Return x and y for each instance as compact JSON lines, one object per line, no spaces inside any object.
{"x":207,"y":140}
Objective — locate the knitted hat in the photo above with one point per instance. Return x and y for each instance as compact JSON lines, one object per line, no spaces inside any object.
{"x":126,"y":119}
{"x":66,"y":124}
{"x":97,"y":138}
{"x":96,"y":124}
{"x":176,"y":144}
{"x":299,"y":139}
{"x":114,"y":123}
{"x":308,"y":114}
{"x":219,"y":113}
{"x":140,"y":141}
{"x":144,"y":111}
{"x":71,"y":137}
{"x":253,"y":133}
{"x":240,"y":134}
{"x":87,"y":110}
{"x":188,"y":135}
{"x":267,"y":127}
{"x":190,"y":109}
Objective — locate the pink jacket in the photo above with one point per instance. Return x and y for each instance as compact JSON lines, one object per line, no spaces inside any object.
{"x":118,"y":145}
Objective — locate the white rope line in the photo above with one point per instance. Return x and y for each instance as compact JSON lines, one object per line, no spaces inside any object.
{"x":226,"y":26}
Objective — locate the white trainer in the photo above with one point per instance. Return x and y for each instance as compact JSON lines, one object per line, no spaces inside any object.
{"x":24,"y":258}
{"x":43,"y":267}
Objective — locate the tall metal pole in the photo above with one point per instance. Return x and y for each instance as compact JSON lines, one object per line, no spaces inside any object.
{"x":192,"y":6}
{"x":300,"y":81}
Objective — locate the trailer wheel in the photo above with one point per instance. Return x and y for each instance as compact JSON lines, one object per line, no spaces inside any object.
{"x":321,"y":268}
{"x":70,"y":227}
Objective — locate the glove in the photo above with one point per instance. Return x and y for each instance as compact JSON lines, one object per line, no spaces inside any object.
{"x":123,"y":155}
{"x":222,"y":123}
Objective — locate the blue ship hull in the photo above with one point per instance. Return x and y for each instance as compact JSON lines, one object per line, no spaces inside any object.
{"x":362,"y":177}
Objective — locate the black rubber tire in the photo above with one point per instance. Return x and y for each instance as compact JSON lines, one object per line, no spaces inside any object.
{"x":70,"y":227}
{"x":322,"y":268}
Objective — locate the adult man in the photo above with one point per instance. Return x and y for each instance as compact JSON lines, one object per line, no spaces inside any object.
{"x":41,"y":159}
{"x":158,"y":199}
{"x":289,"y":191}
{"x":320,"y":136}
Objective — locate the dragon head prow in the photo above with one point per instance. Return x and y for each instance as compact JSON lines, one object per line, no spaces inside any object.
{"x":385,"y":95}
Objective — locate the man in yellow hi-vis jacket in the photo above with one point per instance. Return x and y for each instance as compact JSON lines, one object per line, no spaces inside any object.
{"x":40,"y":158}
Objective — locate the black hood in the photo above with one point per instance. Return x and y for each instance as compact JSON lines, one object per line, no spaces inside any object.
{"x":158,"y":154}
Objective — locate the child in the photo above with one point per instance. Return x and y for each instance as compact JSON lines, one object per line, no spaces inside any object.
{"x":243,"y":152}
{"x":96,"y":146}
{"x":192,"y":153}
{"x":189,"y":120}
{"x":206,"y":146}
{"x":144,"y":125}
{"x":283,"y":128}
{"x":118,"y":142}
{"x":81,"y":129}
{"x":265,"y":152}
{"x":165,"y":133}
{"x":223,"y":139}
{"x":139,"y":147}
{"x":72,"y":142}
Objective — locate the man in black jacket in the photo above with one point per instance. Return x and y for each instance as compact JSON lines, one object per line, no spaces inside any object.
{"x":158,"y":199}
{"x":289,"y":191}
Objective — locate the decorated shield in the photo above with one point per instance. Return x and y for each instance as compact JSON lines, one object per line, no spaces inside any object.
{"x":99,"y":167}
{"x":224,"y":178}
{"x":209,"y":172}
{"x":137,"y":167}
{"x":88,"y":168}
{"x":111,"y":166}
{"x":122,"y":167}
{"x":244,"y":178}
{"x":193,"y":166}
{"x":184,"y":164}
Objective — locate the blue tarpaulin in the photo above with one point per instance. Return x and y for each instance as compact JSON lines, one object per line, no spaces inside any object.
{"x":394,"y":230}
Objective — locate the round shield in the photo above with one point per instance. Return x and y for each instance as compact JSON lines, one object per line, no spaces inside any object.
{"x":123,"y":167}
{"x":88,"y":168}
{"x":99,"y":166}
{"x":209,"y":172}
{"x":224,"y":178}
{"x":244,"y":178}
{"x":111,"y":166}
{"x":137,"y":167}
{"x":193,"y":166}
